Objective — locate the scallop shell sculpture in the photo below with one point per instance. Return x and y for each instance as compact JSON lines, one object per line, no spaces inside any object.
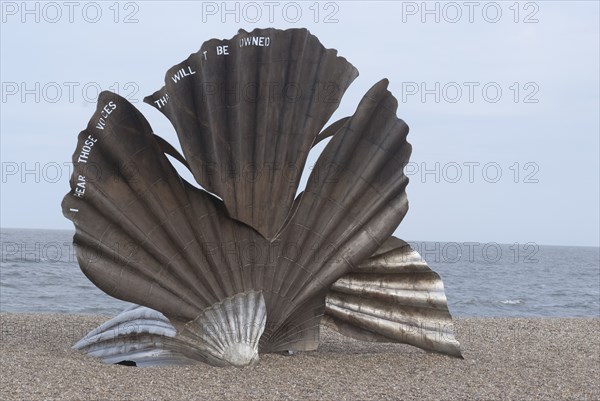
{"x":240,"y":263}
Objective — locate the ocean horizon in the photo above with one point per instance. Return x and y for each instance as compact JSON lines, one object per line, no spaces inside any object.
{"x":39,"y":273}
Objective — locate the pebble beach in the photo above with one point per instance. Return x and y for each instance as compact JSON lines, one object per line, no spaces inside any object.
{"x":504,"y":359}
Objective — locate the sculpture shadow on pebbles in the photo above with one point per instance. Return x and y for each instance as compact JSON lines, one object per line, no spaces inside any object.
{"x":244,"y":265}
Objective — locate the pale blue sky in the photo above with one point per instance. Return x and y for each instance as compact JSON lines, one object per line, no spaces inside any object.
{"x":554,"y":141}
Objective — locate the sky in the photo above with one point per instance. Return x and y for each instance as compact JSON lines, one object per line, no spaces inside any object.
{"x":502,"y":100}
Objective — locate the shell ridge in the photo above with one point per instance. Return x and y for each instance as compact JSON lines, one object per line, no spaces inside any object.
{"x":183,"y":272}
{"x":168,"y":260}
{"x":267,"y":216}
{"x":368,"y":306}
{"x":302,"y":161}
{"x":226,"y":320}
{"x":351,"y":229}
{"x":139,"y":334}
{"x":108,"y":201}
{"x":99,"y":249}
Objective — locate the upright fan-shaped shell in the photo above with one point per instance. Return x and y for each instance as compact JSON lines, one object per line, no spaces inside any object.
{"x":256,"y":265}
{"x":393,"y":297}
{"x":247,"y":111}
{"x":227,"y":333}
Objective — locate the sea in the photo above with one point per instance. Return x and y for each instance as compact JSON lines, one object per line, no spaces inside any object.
{"x":39,"y":273}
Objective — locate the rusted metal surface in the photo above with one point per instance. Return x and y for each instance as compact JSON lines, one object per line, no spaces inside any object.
{"x":145,"y":235}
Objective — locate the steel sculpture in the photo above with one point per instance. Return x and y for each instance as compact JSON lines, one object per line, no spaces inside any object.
{"x":243,"y":263}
